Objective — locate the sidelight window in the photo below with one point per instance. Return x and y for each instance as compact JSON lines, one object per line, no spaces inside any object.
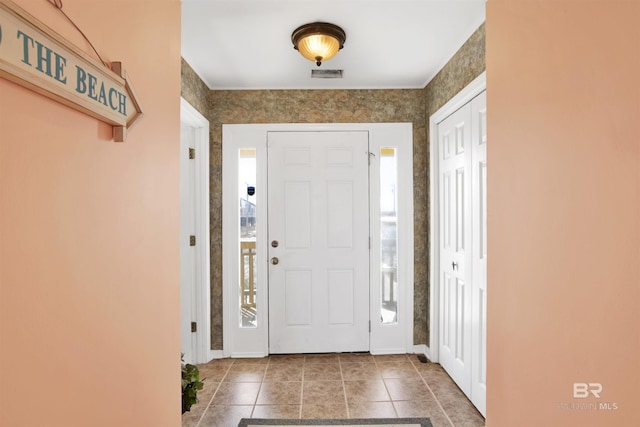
{"x":388,"y":236}
{"x":247,"y":208}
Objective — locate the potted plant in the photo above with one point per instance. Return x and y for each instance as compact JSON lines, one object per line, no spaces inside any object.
{"x":190,"y":384}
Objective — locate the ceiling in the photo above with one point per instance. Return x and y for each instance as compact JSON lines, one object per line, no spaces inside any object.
{"x":391,"y":44}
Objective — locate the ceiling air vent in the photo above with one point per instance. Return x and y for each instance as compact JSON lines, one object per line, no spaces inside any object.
{"x":326,"y":74}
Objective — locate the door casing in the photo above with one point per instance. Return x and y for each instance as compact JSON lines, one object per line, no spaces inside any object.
{"x":475,"y":88}
{"x":478,"y":85}
{"x":254,"y":342}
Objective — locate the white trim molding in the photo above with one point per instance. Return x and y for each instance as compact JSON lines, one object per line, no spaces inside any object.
{"x":397,"y":337}
{"x":239,"y":341}
{"x":422,"y":349}
{"x":216,"y":354}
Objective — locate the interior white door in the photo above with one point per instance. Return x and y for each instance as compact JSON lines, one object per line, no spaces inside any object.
{"x":318,"y":213}
{"x":479,"y":252}
{"x":187,"y":252}
{"x":454,"y":136}
{"x":462,"y":169}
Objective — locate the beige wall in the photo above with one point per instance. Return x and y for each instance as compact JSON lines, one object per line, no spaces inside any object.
{"x":89,"y":273}
{"x":564,"y":210}
{"x":89,"y":312}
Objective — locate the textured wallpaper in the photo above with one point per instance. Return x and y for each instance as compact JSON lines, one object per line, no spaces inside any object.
{"x":195,"y":91}
{"x":467,"y":64}
{"x":336,"y":106}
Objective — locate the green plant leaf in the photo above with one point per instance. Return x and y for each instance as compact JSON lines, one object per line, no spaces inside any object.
{"x":190,"y":385}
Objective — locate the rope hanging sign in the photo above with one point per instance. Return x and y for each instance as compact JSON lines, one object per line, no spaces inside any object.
{"x":34,"y":56}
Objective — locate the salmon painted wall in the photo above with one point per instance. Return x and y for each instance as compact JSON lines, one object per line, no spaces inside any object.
{"x":89,"y":290}
{"x":563,"y":213}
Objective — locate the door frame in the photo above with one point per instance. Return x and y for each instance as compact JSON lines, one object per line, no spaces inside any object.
{"x":254,"y":342}
{"x":477,"y":86}
{"x":200,"y":307}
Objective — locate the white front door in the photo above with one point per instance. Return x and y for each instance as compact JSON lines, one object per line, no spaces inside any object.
{"x":454,"y":139}
{"x":318,"y":215}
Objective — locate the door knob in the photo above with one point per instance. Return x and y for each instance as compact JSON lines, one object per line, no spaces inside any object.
{"x":275,"y":260}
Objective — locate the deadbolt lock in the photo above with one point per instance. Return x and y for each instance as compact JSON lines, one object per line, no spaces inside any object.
{"x":274,"y":244}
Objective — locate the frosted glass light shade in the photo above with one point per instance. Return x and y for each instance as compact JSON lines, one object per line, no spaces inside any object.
{"x":319,"y":41}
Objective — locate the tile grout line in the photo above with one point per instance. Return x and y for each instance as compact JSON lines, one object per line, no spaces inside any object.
{"x":213,"y":395}
{"x":393,"y":405}
{"x":255,"y":402}
{"x":433,"y":394}
{"x":304,"y":363}
{"x":387,"y":388}
{"x":344,"y":387}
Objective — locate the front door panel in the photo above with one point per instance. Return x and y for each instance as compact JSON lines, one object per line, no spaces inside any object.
{"x":318,"y":242}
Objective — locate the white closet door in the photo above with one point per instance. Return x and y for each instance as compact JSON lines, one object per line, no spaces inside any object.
{"x":462,"y":150}
{"x":479,"y":252}
{"x":454,"y":139}
{"x":188,"y":264}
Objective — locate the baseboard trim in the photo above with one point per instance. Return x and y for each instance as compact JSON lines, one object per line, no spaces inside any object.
{"x":215,"y":354}
{"x":422,"y":349}
{"x":248,"y":355}
{"x":382,"y":351}
{"x":417,"y":349}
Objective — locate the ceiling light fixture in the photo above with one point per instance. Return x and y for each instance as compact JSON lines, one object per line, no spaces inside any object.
{"x":319,"y":41}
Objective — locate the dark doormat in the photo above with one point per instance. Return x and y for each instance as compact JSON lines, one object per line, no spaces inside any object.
{"x":369,"y":422}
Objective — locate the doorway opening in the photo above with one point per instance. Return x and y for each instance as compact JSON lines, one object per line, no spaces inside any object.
{"x":345,"y":189}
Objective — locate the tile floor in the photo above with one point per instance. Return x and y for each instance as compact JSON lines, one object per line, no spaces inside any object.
{"x":349,"y":385}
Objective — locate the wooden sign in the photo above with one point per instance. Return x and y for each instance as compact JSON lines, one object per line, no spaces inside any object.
{"x":34,"y":56}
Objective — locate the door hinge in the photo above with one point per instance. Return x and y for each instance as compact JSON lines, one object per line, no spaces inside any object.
{"x":194,"y":327}
{"x":370,"y":154}
{"x":192,"y":153}
{"x":192,"y":240}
